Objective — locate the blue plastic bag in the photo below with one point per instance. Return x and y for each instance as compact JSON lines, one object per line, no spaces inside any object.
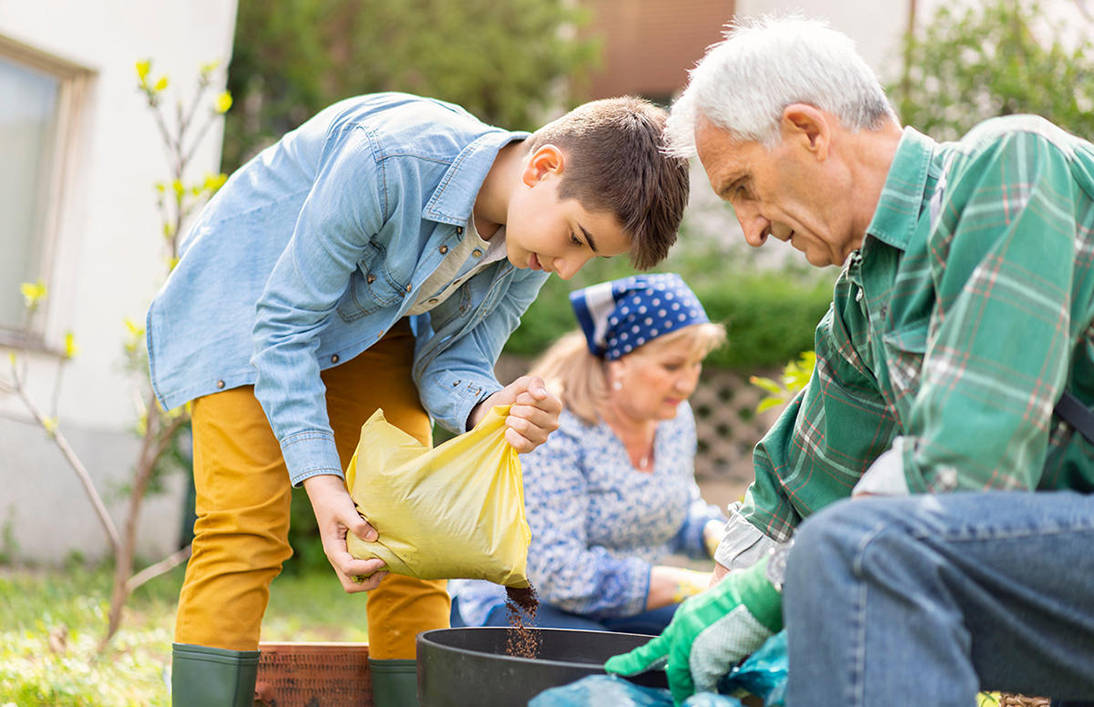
{"x":763,"y":674}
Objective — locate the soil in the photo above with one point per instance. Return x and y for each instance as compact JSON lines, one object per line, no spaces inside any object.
{"x":522,"y":640}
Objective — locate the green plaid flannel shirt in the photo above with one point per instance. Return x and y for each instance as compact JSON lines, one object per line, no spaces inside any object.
{"x":957,"y":326}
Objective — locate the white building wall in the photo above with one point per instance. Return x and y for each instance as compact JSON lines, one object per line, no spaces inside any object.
{"x":108,"y":261}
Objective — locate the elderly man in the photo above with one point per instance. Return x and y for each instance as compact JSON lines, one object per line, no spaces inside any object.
{"x":961,"y":318}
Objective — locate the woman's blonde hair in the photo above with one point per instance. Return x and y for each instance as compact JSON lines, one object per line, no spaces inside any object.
{"x":578,"y":378}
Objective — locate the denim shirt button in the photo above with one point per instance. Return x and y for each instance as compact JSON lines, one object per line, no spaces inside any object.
{"x":459,"y":230}
{"x":477,"y":253}
{"x":443,"y":249}
{"x":220,"y":384}
{"x":407,"y":288}
{"x":334,"y":358}
{"x":370,"y":278}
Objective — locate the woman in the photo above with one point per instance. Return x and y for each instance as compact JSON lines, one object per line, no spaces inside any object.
{"x":612,"y":491}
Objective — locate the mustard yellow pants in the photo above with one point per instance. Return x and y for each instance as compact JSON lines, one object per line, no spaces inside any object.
{"x":243,"y":497}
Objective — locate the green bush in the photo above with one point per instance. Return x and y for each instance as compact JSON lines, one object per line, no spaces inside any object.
{"x":969,"y":63}
{"x":769,"y":315}
{"x":503,"y":62}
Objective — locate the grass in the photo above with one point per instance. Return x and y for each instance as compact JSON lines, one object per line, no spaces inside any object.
{"x":51,"y":622}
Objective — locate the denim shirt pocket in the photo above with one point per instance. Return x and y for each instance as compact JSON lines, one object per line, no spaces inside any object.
{"x":371,"y":287}
{"x":458,"y":304}
{"x":904,"y":351}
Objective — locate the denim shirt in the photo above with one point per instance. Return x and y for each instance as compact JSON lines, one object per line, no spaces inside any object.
{"x":316,"y":247}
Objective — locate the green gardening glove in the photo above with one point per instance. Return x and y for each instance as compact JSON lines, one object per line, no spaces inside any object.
{"x":710,"y":633}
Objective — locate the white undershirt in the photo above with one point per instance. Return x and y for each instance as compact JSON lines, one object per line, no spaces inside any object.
{"x":447,"y":277}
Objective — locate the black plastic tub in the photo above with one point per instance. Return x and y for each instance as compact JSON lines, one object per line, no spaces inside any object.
{"x":469,"y":666}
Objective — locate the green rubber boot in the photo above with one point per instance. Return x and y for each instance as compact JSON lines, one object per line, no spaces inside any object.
{"x":212,"y":677}
{"x":394,"y":682}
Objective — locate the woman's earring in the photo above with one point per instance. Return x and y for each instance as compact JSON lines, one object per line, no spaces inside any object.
{"x":617,"y":384}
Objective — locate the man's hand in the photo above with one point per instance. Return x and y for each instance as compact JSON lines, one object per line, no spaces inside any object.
{"x":709,"y":634}
{"x":337,"y":515}
{"x":533,"y":412}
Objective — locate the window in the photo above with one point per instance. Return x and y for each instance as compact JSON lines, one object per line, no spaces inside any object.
{"x":37,"y":106}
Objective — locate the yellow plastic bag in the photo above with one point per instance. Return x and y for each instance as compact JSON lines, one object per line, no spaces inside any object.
{"x":456,"y":511}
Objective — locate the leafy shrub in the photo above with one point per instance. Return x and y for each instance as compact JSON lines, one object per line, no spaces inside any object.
{"x":295,"y":57}
{"x":769,"y":315}
{"x":970,"y":63}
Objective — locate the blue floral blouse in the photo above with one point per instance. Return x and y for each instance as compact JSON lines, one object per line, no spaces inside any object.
{"x":598,"y":524}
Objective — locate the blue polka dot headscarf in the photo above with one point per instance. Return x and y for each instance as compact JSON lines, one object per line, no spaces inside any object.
{"x":619,"y":316}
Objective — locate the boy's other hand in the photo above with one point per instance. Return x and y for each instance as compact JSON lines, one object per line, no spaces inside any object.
{"x":533,"y":412}
{"x":336,"y":516}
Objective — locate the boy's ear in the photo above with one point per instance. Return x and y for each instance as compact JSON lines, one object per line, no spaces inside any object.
{"x":547,"y":159}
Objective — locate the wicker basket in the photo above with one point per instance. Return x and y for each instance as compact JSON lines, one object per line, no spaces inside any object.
{"x":313,"y":674}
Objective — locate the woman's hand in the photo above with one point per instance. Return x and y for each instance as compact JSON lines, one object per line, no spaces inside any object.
{"x":672,"y":585}
{"x":719,"y":573}
{"x":533,"y":412}
{"x":336,"y":516}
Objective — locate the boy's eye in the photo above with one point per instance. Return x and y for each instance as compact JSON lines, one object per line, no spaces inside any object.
{"x":574,"y":239}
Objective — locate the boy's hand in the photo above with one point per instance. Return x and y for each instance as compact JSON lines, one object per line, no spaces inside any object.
{"x":336,"y":515}
{"x":532,"y":416}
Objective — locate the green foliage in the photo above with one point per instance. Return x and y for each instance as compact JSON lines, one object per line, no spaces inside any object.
{"x":307,"y":545}
{"x":50,"y":621}
{"x":501,"y":61}
{"x":1000,"y":58}
{"x":796,"y":375}
{"x":769,"y":315}
{"x":49,"y":651}
{"x":9,"y":546}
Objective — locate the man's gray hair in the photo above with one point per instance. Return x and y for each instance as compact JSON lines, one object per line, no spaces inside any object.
{"x":763,"y":65}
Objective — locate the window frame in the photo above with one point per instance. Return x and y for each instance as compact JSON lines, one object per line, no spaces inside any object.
{"x":74,"y":82}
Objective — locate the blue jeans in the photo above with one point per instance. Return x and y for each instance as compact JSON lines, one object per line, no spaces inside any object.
{"x":650,"y":622}
{"x":925,"y":600}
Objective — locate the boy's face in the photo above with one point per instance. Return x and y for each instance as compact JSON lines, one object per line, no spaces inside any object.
{"x":544,"y":232}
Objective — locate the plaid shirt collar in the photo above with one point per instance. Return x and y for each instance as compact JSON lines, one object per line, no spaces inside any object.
{"x":911,"y":180}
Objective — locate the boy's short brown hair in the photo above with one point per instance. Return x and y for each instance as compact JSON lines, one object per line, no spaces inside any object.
{"x":617,"y":163}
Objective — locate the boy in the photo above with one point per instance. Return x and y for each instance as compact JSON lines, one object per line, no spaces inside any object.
{"x":377,"y":256}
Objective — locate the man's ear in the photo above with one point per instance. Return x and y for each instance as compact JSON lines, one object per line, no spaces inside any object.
{"x":547,"y":159}
{"x":809,"y":126}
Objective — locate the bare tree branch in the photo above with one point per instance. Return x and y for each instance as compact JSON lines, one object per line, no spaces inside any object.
{"x":152,"y":571}
{"x":74,"y":461}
